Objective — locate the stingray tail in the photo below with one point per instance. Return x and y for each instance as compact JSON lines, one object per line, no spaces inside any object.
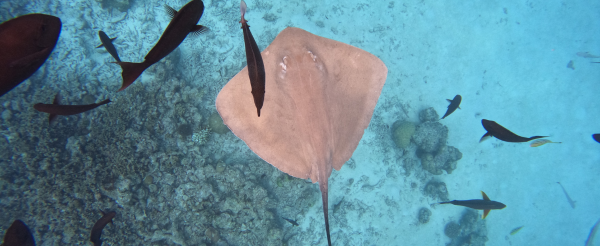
{"x":131,"y":71}
{"x":323,"y":187}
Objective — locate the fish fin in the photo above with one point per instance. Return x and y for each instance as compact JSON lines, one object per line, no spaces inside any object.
{"x":51,"y":118}
{"x":104,"y":102}
{"x":485,"y":137}
{"x":170,"y":11}
{"x":199,"y":29}
{"x":450,"y":101}
{"x":28,"y":60}
{"x":113,"y":39}
{"x":485,"y":213}
{"x":131,"y":71}
{"x":485,"y":197}
{"x":102,"y":45}
{"x":536,"y":137}
{"x":56,"y":99}
{"x":459,"y":107}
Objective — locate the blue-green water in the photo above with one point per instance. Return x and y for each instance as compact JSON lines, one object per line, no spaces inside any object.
{"x":160,"y":158}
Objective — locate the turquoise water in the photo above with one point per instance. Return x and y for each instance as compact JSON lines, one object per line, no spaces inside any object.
{"x":160,"y":158}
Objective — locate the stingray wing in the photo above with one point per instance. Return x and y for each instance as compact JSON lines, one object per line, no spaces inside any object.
{"x":320,"y":96}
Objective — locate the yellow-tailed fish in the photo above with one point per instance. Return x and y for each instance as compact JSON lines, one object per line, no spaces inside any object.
{"x":514,"y":231}
{"x":541,"y":142}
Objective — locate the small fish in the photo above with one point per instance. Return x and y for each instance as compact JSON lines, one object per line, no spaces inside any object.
{"x":496,"y":130}
{"x":514,"y":231}
{"x":26,"y":43}
{"x":183,"y":22}
{"x":571,"y":202}
{"x":293,"y":222}
{"x":99,"y":225}
{"x":484,"y":204}
{"x":337,"y":206}
{"x":590,"y":239}
{"x":454,"y":104}
{"x":56,"y":108}
{"x":18,"y":234}
{"x":256,"y":67}
{"x":541,"y":142}
{"x":571,"y":65}
{"x":587,"y":55}
{"x":108,"y":45}
{"x":596,"y":137}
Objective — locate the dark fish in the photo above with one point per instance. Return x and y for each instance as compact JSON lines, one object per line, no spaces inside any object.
{"x":56,"y":108}
{"x":256,"y":67}
{"x":454,"y":104}
{"x":25,"y":44}
{"x":293,"y":222}
{"x":571,"y":202}
{"x":496,"y":130}
{"x":596,"y":137}
{"x":183,"y":22}
{"x":108,"y":45}
{"x":486,"y":204}
{"x":18,"y":234}
{"x":100,"y":224}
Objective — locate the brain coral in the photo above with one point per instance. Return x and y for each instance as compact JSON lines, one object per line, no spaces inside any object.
{"x":402,"y":131}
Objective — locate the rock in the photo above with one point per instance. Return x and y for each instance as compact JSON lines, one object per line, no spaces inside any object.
{"x":148,"y":180}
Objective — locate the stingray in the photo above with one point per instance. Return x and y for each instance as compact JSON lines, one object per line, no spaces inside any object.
{"x":319,"y":98}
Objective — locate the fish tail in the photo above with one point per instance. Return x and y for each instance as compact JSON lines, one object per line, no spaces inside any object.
{"x":536,"y":137}
{"x":104,"y":102}
{"x":485,"y":137}
{"x":131,"y":71}
{"x":243,"y":11}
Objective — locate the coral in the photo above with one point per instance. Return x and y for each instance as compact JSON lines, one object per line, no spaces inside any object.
{"x":121,"y":5}
{"x":201,"y":137}
{"x":424,"y":214}
{"x":409,"y":164}
{"x":428,"y":114}
{"x":216,"y":124}
{"x":452,"y":229}
{"x":436,"y":190}
{"x":430,"y":136}
{"x":270,"y":17}
{"x":402,"y":132}
{"x":446,"y":159}
{"x":472,"y":230}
